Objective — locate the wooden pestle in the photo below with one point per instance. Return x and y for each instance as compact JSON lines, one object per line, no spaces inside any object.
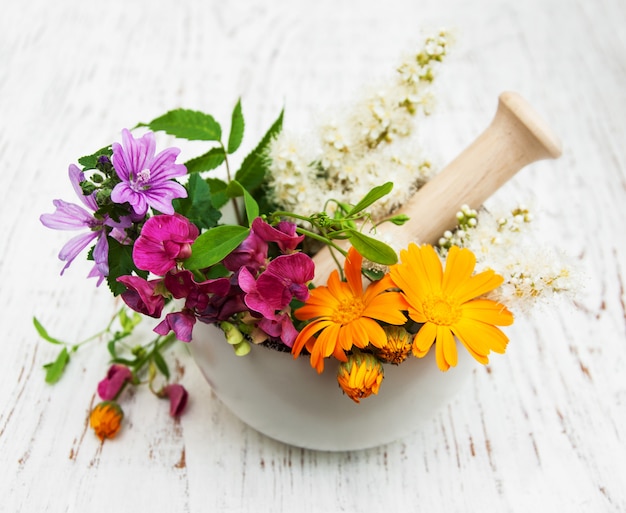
{"x":516,"y":137}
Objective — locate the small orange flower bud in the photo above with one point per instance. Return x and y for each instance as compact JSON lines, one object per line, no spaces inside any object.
{"x":106,"y":419}
{"x":398,"y":347}
{"x":360,"y":376}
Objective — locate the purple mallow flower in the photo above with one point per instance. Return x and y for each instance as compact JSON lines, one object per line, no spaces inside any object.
{"x":69,"y":216}
{"x":164,"y":240}
{"x":146,"y":177}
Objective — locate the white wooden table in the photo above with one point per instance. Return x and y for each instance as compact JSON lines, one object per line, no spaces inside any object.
{"x":541,"y":428}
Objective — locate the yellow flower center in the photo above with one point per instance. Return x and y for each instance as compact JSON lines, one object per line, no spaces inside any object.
{"x":443,"y":311}
{"x":349,"y":310}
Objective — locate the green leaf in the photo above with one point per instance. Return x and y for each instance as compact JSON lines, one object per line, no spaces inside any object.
{"x":188,"y":124}
{"x":198,"y":205}
{"x":253,"y":168}
{"x":252,"y":207}
{"x":206,"y":162}
{"x":90,"y":161}
{"x":54,"y":370}
{"x":236,"y":129}
{"x":371,"y":197}
{"x":161,"y":364}
{"x":121,"y":264}
{"x":111,"y":348}
{"x":218,"y":191}
{"x":213,"y":245}
{"x":44,"y":334}
{"x":373,"y":249}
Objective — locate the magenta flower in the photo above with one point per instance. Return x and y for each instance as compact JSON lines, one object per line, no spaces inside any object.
{"x":181,"y":323}
{"x":251,"y":253}
{"x":146,"y":178}
{"x":112,"y":384}
{"x":280,"y":328}
{"x":284,"y":234}
{"x":69,"y":216}
{"x":164,"y":240}
{"x":178,"y":398}
{"x":141,"y":295}
{"x":284,"y":278}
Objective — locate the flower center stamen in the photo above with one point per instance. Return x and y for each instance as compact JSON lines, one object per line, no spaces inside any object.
{"x":348,"y":310}
{"x":142,"y":180}
{"x":442,"y":311}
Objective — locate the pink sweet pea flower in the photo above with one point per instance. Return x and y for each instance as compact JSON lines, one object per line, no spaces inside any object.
{"x":251,"y":253}
{"x":284,"y":278}
{"x":141,"y":295}
{"x":284,"y":234}
{"x":146,"y":178}
{"x":181,"y":323}
{"x":164,"y":240}
{"x":281,"y":327}
{"x":112,"y":384}
{"x":178,"y":396}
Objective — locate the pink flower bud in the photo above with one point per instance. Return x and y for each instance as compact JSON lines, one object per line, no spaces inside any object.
{"x":178,"y":398}
{"x":116,"y":378}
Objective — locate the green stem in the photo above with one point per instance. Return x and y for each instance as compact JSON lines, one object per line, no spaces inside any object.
{"x":160,"y":344}
{"x":229,"y":178}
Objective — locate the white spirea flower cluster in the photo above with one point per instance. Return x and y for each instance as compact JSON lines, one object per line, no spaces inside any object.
{"x":368,"y":145}
{"x":532,"y":275}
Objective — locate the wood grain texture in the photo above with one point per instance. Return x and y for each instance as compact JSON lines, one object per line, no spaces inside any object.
{"x":540,"y":428}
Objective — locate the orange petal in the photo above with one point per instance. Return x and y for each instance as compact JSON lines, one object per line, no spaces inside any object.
{"x":460,"y":265}
{"x":487,"y":311}
{"x":424,"y":339}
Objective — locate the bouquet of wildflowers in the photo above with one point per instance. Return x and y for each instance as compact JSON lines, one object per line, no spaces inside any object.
{"x":159,"y":236}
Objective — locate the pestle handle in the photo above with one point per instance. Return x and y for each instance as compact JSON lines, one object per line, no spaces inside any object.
{"x":516,"y":137}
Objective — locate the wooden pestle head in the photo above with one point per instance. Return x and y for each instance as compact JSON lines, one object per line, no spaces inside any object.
{"x":516,"y":137}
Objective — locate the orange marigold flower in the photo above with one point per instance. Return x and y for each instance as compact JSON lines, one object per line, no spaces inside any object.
{"x":343,"y":315}
{"x":398,"y":347}
{"x":448,"y":304}
{"x":360,"y":376}
{"x":106,"y":419}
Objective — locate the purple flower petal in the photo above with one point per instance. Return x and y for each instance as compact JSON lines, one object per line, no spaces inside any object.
{"x":67,"y":216}
{"x":181,"y":323}
{"x":74,"y":246}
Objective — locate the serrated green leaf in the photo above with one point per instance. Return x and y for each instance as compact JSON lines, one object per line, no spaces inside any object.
{"x":187,"y":124}
{"x":198,"y":205}
{"x":54,"y":370}
{"x":236,"y":129}
{"x":90,"y":161}
{"x":161,"y":364}
{"x":218,"y":191}
{"x":373,"y":249}
{"x":253,"y":168}
{"x":252,"y":207}
{"x":213,"y":245}
{"x":371,"y":197}
{"x":44,"y":334}
{"x":121,"y":264}
{"x":206,"y":162}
